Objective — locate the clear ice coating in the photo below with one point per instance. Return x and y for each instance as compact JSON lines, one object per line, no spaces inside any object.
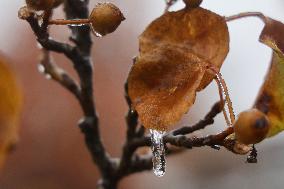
{"x":158,"y":150}
{"x":42,"y":70}
{"x":76,"y":25}
{"x":97,"y":34}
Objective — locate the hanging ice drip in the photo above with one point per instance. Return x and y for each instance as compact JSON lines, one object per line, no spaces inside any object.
{"x":158,"y":150}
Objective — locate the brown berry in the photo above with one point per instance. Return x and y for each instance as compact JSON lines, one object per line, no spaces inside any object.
{"x":251,"y":127}
{"x":105,"y":18}
{"x":39,"y":5}
{"x":192,"y":3}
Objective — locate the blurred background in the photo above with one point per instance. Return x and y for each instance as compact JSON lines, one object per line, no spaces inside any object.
{"x":51,"y":153}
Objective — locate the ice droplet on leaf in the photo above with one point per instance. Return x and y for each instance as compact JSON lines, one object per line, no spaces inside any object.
{"x":158,"y":150}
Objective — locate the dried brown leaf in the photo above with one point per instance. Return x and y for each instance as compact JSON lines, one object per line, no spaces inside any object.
{"x":197,"y":31}
{"x":272,"y":35}
{"x":162,"y":86}
{"x":175,"y":51}
{"x":10,"y":105}
{"x":271,"y":96}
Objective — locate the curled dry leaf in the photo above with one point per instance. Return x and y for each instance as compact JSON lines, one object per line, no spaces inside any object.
{"x":10,"y":106}
{"x":197,"y":31}
{"x":175,"y":50}
{"x":271,"y":96}
{"x":162,"y":86}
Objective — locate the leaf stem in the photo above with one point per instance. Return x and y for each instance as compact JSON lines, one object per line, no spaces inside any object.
{"x":246,"y":14}
{"x":69,"y":22}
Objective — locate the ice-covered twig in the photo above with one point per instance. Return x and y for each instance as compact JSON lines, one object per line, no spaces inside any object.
{"x":58,"y":74}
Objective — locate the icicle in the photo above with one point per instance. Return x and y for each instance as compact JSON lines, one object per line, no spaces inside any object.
{"x":158,"y":150}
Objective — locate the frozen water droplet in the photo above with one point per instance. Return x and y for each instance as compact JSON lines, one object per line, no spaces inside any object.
{"x":41,"y":68}
{"x":47,"y":76}
{"x":98,"y":34}
{"x":158,"y":150}
{"x":76,"y":25}
{"x":40,"y":21}
{"x":39,"y":45}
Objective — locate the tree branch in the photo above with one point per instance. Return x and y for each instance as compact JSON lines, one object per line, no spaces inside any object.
{"x":82,"y":64}
{"x":208,"y":120}
{"x":79,"y":53}
{"x":58,"y":74}
{"x":134,"y":163}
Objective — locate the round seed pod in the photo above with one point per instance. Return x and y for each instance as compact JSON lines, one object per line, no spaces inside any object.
{"x":39,"y":5}
{"x":105,"y":18}
{"x":192,"y":3}
{"x":251,"y":127}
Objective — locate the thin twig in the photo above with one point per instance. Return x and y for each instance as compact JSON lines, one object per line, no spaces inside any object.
{"x":79,"y":55}
{"x":169,"y":3}
{"x":58,"y":74}
{"x":132,"y":122}
{"x":75,"y":22}
{"x":78,"y":9}
{"x":139,"y":164}
{"x":246,"y":14}
{"x":208,"y":120}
